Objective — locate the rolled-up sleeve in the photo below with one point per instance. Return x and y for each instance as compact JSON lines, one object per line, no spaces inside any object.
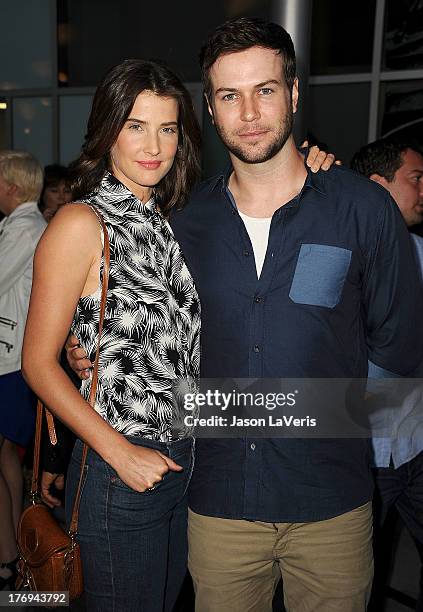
{"x":393,"y":297}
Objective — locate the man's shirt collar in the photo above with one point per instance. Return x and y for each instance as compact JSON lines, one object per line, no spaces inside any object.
{"x":314,"y":181}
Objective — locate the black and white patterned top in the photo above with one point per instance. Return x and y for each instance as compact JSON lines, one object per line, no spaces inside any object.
{"x":151,"y":329}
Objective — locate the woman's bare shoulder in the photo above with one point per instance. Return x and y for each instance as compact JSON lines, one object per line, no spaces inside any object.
{"x":75,"y":217}
{"x":76,"y":212}
{"x":74,"y":226}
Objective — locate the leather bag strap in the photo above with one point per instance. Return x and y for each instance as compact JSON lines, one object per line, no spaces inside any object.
{"x":51,"y":427}
{"x":37,"y":445}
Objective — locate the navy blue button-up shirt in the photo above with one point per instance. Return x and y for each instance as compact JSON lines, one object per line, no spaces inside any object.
{"x":339,"y":286}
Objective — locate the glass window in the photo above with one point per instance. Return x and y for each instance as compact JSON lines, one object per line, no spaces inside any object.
{"x":32,"y":127}
{"x":339,"y":116}
{"x":4,"y":135}
{"x":26,"y":42}
{"x":95,"y":35}
{"x":74,"y":112}
{"x":401,"y":104}
{"x":411,"y":133}
{"x":403,"y":39}
{"x":342,"y":36}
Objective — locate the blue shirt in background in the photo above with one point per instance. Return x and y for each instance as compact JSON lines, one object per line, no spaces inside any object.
{"x":405,"y":421}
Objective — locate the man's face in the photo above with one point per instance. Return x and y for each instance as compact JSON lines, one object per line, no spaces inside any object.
{"x":251,"y":105}
{"x":407,"y":187}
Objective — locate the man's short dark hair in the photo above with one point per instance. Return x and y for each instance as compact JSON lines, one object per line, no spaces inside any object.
{"x":383,"y":157}
{"x":241,"y":34}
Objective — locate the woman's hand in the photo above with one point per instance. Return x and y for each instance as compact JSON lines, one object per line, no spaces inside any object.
{"x":142,"y":468}
{"x":319,"y":160}
{"x":47,"y":480}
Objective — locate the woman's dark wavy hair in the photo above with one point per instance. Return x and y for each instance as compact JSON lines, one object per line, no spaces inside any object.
{"x":112,"y":104}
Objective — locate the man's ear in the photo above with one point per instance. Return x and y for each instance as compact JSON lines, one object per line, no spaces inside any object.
{"x":377,"y":178}
{"x":12,"y":189}
{"x":209,"y":108}
{"x":294,"y":95}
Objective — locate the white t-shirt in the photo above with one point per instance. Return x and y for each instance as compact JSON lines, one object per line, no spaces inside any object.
{"x":258,"y":231}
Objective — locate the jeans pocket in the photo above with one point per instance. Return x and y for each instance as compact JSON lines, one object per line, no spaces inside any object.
{"x":319,"y":275}
{"x":117,"y":482}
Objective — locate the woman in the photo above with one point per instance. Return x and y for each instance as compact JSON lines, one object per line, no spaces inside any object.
{"x":139,"y":160}
{"x":56,"y":190}
{"x":21,"y":180}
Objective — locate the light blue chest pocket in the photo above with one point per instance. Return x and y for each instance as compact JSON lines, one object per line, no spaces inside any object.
{"x":320,"y":275}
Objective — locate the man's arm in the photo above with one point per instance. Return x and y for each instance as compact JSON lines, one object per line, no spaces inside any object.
{"x":393,"y":297}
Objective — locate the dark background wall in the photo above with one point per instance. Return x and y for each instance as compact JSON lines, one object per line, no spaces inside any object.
{"x":366,"y":66}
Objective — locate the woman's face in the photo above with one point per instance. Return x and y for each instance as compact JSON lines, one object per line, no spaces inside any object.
{"x":146,"y":146}
{"x":54,"y":197}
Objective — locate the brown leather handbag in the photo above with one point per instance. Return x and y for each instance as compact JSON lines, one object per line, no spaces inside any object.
{"x":49,"y":556}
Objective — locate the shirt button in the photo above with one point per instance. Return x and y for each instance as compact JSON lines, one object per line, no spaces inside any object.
{"x":253,"y":446}
{"x":257,"y":299}
{"x":246,"y":253}
{"x":256,"y":348}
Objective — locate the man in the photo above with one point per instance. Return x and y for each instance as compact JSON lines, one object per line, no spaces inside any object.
{"x":398,"y":167}
{"x":296,"y":279}
{"x":326,"y":298}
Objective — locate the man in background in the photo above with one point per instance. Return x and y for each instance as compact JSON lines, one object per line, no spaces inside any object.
{"x":398,"y":167}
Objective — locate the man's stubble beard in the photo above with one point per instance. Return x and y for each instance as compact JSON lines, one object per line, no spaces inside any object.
{"x":247,"y":154}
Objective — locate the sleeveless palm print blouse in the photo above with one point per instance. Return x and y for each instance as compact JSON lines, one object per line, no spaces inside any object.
{"x":150,"y":339}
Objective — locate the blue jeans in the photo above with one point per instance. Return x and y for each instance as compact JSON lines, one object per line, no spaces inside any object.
{"x":133,"y":545}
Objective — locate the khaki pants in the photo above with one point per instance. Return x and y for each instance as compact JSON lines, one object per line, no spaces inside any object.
{"x":326,"y":566}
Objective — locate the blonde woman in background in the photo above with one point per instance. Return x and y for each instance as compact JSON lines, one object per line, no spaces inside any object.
{"x":21,"y":181}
